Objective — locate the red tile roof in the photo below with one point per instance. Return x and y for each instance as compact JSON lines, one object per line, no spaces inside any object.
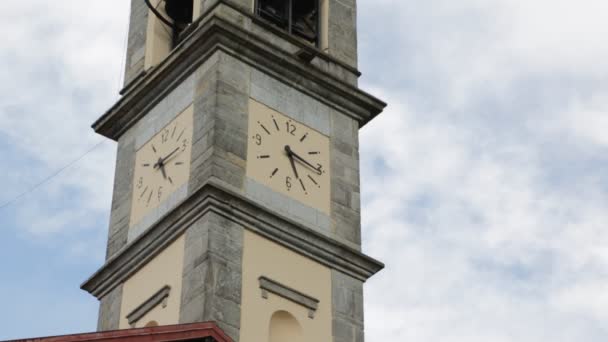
{"x":180,"y":332}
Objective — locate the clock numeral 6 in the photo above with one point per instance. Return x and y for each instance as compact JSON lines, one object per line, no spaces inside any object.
{"x":288,"y":183}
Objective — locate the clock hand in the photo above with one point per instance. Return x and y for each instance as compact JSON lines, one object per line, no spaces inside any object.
{"x":162,"y":169}
{"x":302,"y":160}
{"x":293,"y":163}
{"x":161,"y":165}
{"x":162,"y":161}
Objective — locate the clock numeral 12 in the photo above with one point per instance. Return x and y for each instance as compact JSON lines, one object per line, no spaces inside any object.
{"x":291,"y":128}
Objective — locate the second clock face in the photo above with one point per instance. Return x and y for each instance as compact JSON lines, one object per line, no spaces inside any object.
{"x":288,"y":156}
{"x":162,"y":165}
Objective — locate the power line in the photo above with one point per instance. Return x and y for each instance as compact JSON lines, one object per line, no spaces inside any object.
{"x":51,"y":177}
{"x":58,"y":172}
{"x":123,"y":57}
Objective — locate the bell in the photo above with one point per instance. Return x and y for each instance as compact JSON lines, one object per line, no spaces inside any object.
{"x":180,"y":11}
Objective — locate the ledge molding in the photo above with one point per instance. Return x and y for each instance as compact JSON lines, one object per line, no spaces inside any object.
{"x":159,"y":297}
{"x":268,"y":285}
{"x":216,"y":197}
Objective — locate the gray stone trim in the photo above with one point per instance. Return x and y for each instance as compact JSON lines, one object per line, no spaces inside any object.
{"x":159,"y":297}
{"x":219,"y":33}
{"x":109,"y":310}
{"x":133,"y":82}
{"x":269,"y":285}
{"x":306,"y":215}
{"x":215,"y":196}
{"x":148,"y":220}
{"x":316,"y":116}
{"x":165,"y":111}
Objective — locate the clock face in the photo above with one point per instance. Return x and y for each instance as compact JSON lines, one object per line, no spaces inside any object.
{"x":288,"y":156}
{"x":162,"y":166}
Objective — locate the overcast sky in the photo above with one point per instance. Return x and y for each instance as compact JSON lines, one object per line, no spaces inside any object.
{"x":484,"y":183}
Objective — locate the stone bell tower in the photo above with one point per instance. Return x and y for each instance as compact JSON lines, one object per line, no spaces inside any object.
{"x":236,"y":195}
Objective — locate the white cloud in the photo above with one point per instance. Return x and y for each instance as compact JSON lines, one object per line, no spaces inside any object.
{"x":482,"y":185}
{"x":65,"y":59}
{"x":476,"y":246}
{"x":483,"y":188}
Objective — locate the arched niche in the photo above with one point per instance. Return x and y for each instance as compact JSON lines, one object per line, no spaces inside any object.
{"x":284,"y":327}
{"x":151,"y":324}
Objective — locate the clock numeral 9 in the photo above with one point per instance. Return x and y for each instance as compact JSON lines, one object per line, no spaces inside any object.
{"x":288,"y":183}
{"x":291,"y":128}
{"x":258,"y":139}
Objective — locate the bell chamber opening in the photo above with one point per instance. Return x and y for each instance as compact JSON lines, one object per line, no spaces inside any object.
{"x":298,"y":17}
{"x":174,"y":15}
{"x":180,"y":11}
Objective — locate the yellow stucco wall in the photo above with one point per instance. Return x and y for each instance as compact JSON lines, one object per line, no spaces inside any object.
{"x":262,"y":257}
{"x":165,"y":269}
{"x":158,"y":37}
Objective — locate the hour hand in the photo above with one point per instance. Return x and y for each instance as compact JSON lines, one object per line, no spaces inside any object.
{"x":162,"y":169}
{"x":304,"y":161}
{"x":293,"y":166}
{"x":291,"y":161}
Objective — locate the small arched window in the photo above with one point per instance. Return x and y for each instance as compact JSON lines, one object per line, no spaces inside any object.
{"x":284,"y":327}
{"x":151,"y":324}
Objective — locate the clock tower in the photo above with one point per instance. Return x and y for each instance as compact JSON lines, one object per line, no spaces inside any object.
{"x":237,"y":194}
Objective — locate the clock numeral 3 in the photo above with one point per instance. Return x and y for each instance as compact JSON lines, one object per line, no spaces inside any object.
{"x":184,"y":144}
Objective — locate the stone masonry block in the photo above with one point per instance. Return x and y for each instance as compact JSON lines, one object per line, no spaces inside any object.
{"x":347,"y":297}
{"x":212,"y":272}
{"x":121,"y":199}
{"x":347,"y":223}
{"x":195,"y":281}
{"x":137,"y":40}
{"x":224,"y":311}
{"x":225,"y":279}
{"x":343,"y":31}
{"x":234,"y":72}
{"x":343,"y":331}
{"x":347,"y":308}
{"x":109,"y":310}
{"x":197,"y":245}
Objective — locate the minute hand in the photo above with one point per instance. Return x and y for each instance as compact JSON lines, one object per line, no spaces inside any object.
{"x":163,"y":160}
{"x":302,"y":160}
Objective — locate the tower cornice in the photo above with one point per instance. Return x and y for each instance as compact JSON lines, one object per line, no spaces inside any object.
{"x":229,"y":28}
{"x":217,"y":197}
